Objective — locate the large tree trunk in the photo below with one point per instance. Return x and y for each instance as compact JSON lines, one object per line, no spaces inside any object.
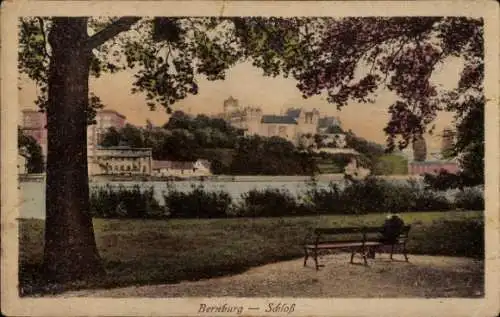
{"x":70,"y":248}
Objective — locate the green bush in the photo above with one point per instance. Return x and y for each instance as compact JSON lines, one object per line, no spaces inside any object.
{"x":442,"y":181}
{"x":324,"y":200}
{"x":198,"y":203}
{"x":375,"y":195}
{"x":470,"y":199}
{"x":269,"y":202}
{"x":121,"y":202}
{"x":428,"y":200}
{"x":451,"y":238}
{"x":371,"y":195}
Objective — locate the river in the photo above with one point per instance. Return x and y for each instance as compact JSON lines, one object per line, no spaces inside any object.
{"x":32,"y":193}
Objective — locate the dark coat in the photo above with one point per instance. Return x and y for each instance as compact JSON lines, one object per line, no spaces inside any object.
{"x":392,"y":229}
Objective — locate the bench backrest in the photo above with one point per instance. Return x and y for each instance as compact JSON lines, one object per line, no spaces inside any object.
{"x":345,"y":230}
{"x":355,"y":233}
{"x":405,"y":231}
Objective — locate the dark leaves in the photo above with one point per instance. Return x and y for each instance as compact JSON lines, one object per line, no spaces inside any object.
{"x":166,"y":29}
{"x":32,"y":59}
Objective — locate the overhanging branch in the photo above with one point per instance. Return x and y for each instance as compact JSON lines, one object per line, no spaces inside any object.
{"x":42,"y":28}
{"x":120,"y":25}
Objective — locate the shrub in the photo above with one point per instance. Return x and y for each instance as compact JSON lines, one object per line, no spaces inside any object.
{"x":324,"y":200}
{"x":452,"y":238}
{"x":375,"y":195}
{"x":442,"y":181}
{"x":269,"y":202}
{"x":198,"y":203}
{"x":122,"y":202}
{"x":428,"y":200}
{"x":470,"y":199}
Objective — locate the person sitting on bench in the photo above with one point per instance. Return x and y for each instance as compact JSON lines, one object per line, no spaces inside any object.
{"x":390,"y":232}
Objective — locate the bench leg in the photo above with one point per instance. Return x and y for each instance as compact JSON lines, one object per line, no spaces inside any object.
{"x":392,"y":250}
{"x":405,"y":253}
{"x":352,"y":256}
{"x":371,"y":252}
{"x":306,"y":256}
{"x":316,"y":259}
{"x":364,"y":254}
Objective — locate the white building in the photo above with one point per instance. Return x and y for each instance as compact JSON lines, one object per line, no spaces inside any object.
{"x":336,"y":150}
{"x":181,"y":168}
{"x":355,"y":172}
{"x":335,"y":140}
{"x":22,"y":162}
{"x":120,"y":160}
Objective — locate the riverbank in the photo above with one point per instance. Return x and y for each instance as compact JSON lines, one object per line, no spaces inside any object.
{"x":296,"y":197}
{"x":219,"y":178}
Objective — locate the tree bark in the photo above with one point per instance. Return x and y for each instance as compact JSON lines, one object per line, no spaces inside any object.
{"x":70,"y":251}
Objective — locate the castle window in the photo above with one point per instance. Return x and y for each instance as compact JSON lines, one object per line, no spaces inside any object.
{"x":272,"y":130}
{"x":282,"y":132}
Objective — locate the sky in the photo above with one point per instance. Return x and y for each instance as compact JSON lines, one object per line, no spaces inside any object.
{"x":247,"y":84}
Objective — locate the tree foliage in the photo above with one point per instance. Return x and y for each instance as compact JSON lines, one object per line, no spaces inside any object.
{"x":187,"y":138}
{"x":31,"y":150}
{"x":182,"y":138}
{"x":255,"y":155}
{"x":346,"y":58}
{"x":419,"y":149}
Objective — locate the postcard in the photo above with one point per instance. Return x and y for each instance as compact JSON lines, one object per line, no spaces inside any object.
{"x":250,"y":158}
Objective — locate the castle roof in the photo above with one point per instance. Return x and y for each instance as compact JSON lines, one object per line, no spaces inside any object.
{"x":278,"y":119}
{"x":293,"y":112}
{"x":113,"y":112}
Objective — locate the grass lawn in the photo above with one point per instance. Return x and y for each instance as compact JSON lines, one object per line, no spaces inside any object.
{"x":138,"y":252}
{"x":329,"y":168}
{"x":391,"y":164}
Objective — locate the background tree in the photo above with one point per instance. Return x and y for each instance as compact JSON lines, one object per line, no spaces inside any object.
{"x":256,"y":155}
{"x":32,"y":151}
{"x":111,"y":137}
{"x":419,"y":149}
{"x":132,"y":136}
{"x":469,"y":146}
{"x":447,"y":143}
{"x":370,"y":151}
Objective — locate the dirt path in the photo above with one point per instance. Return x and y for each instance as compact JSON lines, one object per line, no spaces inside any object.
{"x":424,"y":276}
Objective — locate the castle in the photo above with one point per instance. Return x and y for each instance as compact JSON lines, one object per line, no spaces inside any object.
{"x":294,"y":124}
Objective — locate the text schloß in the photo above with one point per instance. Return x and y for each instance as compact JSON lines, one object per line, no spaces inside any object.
{"x":280,"y":308}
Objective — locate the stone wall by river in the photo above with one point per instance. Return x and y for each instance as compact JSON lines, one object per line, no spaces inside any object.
{"x":32,"y":193}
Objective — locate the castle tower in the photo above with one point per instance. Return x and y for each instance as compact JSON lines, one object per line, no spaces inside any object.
{"x":230,"y":105}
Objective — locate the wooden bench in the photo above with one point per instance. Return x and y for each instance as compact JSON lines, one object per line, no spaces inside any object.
{"x":362,"y":240}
